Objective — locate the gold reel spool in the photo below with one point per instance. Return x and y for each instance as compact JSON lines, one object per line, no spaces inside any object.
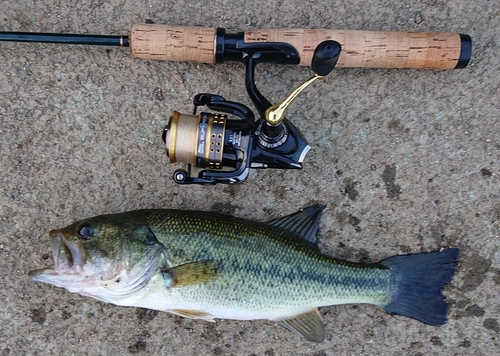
{"x":196,"y":139}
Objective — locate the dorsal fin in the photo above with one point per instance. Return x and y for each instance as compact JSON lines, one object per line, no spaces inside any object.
{"x":304,"y":223}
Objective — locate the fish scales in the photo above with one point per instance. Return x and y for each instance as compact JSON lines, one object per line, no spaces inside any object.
{"x":262,"y":267}
{"x":205,"y":266}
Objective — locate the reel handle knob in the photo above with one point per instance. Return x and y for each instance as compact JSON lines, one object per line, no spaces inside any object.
{"x":325,"y":57}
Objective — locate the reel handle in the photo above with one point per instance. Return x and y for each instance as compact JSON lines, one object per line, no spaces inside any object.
{"x":362,"y":49}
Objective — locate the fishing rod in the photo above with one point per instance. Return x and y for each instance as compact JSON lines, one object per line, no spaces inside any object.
{"x":224,"y":148}
{"x":366,"y":49}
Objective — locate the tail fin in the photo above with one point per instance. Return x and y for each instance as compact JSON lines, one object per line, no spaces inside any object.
{"x":416,"y":283}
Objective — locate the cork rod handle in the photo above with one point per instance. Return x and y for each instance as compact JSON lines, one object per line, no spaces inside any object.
{"x":173,"y":43}
{"x":362,"y":49}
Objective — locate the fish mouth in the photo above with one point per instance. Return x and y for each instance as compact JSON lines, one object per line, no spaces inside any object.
{"x":80,"y":269}
{"x":68,"y":256}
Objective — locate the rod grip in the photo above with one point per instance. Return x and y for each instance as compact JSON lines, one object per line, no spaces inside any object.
{"x":377,"y":49}
{"x":362,"y":49}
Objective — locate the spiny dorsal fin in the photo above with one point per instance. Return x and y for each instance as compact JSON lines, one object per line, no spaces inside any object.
{"x":189,"y":274}
{"x":309,"y":325}
{"x":192,"y":314}
{"x":304,"y":223}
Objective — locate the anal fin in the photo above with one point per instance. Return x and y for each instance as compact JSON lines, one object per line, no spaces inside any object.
{"x":309,"y":325}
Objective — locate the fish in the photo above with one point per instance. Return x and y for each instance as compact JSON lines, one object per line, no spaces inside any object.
{"x":203,"y":265}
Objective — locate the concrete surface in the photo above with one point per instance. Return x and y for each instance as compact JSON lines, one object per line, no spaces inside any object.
{"x":406,"y":161}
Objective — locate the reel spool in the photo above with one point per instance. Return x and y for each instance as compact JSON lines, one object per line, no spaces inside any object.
{"x":206,"y":130}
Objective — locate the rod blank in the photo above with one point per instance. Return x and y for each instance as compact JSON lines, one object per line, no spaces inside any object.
{"x":93,"y":40}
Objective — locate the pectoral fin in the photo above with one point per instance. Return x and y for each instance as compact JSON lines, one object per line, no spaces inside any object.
{"x":189,"y":274}
{"x":309,"y":325}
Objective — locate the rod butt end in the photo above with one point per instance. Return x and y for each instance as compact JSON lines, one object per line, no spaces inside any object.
{"x":465,"y":51}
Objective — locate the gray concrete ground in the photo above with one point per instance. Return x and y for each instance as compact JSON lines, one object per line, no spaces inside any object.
{"x":405,"y":160}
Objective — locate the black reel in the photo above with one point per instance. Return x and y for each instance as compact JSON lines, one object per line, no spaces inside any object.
{"x":226,"y":148}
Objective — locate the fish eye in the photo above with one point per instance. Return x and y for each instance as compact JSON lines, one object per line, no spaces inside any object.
{"x":85,"y":231}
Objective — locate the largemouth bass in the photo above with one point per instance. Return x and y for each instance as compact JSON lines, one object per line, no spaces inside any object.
{"x":205,"y":266}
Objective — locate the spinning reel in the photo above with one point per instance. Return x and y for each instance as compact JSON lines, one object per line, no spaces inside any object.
{"x":226,"y":148}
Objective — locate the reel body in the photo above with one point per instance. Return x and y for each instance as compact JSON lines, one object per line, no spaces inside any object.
{"x":225,"y":148}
